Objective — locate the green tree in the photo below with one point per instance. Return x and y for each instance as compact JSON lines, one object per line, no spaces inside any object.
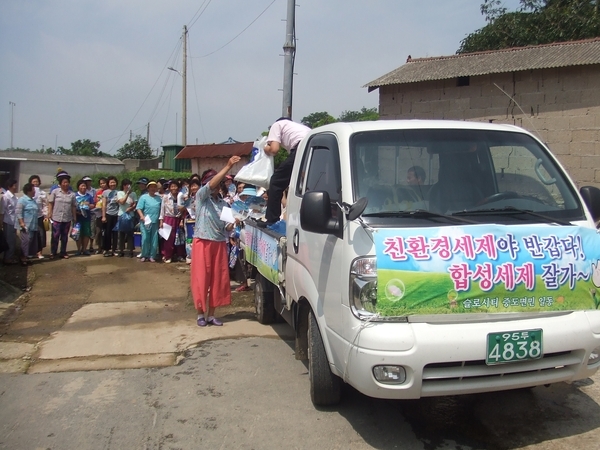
{"x":359,"y":116}
{"x":85,"y":147}
{"x":318,"y":119}
{"x":536,"y":22}
{"x":47,"y":151}
{"x":135,"y":149}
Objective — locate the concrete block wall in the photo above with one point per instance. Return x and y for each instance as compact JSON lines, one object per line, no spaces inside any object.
{"x":561,"y":106}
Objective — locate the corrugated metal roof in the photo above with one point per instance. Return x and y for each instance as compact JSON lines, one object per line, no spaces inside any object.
{"x":34,"y":156}
{"x":559,"y":54}
{"x":215,"y":150}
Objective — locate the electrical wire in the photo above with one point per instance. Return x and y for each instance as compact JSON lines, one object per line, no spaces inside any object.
{"x":194,"y":19}
{"x":168,"y":111}
{"x":156,"y":108}
{"x":239,"y":34}
{"x":148,"y":95}
{"x":196,"y":95}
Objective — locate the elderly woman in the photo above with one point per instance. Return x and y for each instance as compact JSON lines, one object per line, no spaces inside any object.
{"x":171,"y":214}
{"x":62,"y":210}
{"x":27,"y":222}
{"x":110,"y":215}
{"x":148,"y":209}
{"x":210,"y":271}
{"x":84,"y":217}
{"x":127,"y":200}
{"x":190,"y":214}
{"x":41,"y":198}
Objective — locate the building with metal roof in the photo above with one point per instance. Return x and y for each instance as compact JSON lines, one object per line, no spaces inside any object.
{"x":553,"y":90}
{"x":548,"y":56}
{"x":21,"y":165}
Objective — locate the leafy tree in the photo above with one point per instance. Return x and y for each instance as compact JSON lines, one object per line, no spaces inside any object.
{"x":85,"y":148}
{"x":536,"y":22}
{"x":47,"y":151}
{"x":135,"y":149}
{"x":359,"y":116}
{"x":318,"y":119}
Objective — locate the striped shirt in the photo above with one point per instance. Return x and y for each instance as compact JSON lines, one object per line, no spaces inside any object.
{"x":62,"y":205}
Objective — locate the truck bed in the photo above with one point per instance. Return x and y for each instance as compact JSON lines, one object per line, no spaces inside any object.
{"x":264,"y":249}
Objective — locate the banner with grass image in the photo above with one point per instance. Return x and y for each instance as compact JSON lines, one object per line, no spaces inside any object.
{"x":487,"y":269}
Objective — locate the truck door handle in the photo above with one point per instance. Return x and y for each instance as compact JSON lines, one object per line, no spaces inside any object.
{"x":296,"y":241}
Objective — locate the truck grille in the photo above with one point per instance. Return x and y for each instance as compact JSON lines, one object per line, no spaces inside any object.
{"x":462,"y":377}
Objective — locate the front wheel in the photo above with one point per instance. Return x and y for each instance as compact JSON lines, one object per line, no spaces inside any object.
{"x":325,"y":387}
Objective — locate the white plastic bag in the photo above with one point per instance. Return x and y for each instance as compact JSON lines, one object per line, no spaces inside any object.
{"x":259,"y":171}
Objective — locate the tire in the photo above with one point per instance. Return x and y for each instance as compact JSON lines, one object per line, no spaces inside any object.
{"x":263,"y":300}
{"x":325,"y":387}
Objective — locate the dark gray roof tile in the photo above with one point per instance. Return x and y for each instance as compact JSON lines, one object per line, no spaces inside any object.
{"x":560,"y":54}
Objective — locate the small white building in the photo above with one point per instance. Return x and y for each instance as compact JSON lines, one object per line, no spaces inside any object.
{"x":21,"y":165}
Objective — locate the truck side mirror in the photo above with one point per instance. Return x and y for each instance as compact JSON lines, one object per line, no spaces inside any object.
{"x":315,"y":213}
{"x":591,"y":197}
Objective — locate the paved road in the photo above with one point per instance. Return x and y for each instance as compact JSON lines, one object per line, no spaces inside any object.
{"x":251,"y":393}
{"x":175,"y":386}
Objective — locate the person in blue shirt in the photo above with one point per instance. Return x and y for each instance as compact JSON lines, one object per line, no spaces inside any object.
{"x":27,"y":223}
{"x":85,"y":204}
{"x":148,"y":209}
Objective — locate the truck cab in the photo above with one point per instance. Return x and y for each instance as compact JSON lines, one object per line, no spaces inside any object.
{"x":426,"y":258}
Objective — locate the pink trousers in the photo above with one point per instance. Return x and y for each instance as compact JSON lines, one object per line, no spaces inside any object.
{"x":209,"y":274}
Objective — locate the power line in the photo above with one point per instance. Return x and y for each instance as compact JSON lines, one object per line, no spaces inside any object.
{"x":156,"y":107}
{"x":144,"y":102}
{"x":240,"y":33}
{"x":196,"y":95}
{"x":194,"y":19}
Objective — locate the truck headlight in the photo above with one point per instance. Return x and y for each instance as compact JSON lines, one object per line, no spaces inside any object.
{"x":389,"y":374}
{"x":363,"y":286}
{"x":594,"y":357}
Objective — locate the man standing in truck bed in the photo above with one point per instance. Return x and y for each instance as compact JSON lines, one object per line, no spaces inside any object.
{"x":287,"y":134}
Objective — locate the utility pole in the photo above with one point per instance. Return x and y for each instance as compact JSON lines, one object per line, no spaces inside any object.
{"x":289,"y":53}
{"x":184,"y":94}
{"x":12,"y":128}
{"x":148,"y":134}
{"x":183,"y":74}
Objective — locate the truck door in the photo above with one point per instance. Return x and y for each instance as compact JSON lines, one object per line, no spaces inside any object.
{"x":313,"y":258}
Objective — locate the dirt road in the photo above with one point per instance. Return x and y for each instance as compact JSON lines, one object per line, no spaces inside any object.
{"x":90,"y":313}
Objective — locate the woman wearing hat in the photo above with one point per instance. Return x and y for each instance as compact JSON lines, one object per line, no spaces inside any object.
{"x":62,"y":210}
{"x":210,"y":270}
{"x":148,"y":209}
{"x":171,"y":214}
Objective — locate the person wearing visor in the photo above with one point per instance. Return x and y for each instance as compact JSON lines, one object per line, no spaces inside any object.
{"x":148,"y":210}
{"x":210,"y":269}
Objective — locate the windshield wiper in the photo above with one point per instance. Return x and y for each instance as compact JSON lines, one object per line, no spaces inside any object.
{"x":419,"y":214}
{"x":511,"y":210}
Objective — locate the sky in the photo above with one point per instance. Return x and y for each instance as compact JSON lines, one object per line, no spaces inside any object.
{"x":98,"y":69}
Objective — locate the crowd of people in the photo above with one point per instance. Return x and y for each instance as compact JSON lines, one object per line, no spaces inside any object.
{"x":104,"y":219}
{"x":178,"y":220}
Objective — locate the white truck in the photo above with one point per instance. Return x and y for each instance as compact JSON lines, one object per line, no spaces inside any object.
{"x":430,"y":258}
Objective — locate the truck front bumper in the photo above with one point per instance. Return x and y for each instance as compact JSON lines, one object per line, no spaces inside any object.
{"x":450,"y":359}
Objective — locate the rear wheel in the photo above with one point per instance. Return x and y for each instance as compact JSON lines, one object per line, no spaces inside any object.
{"x":263,"y":300}
{"x":325,"y":387}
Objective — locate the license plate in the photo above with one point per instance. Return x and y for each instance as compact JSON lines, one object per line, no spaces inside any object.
{"x":513,"y":346}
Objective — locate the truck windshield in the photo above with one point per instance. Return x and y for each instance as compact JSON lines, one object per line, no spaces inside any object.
{"x":448,"y":171}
